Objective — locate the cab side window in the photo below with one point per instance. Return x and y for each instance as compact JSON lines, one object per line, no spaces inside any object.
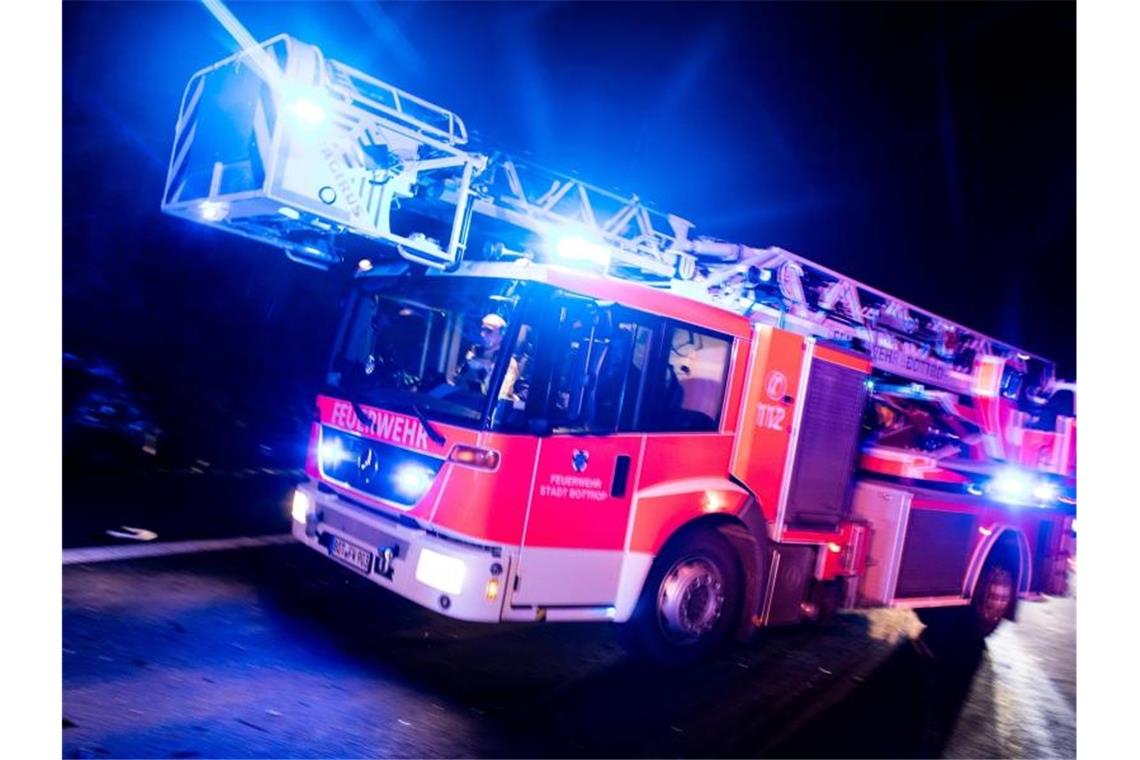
{"x":600,"y":360}
{"x":578,"y":346}
{"x":600,"y":368}
{"x":686,"y":391}
{"x":622,"y":372}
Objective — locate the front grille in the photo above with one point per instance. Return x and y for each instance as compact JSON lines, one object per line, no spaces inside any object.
{"x":378,"y":469}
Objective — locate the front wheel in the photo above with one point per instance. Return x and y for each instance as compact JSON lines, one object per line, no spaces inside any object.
{"x":689,"y":603}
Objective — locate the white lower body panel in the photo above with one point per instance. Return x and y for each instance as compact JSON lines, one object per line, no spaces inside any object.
{"x":578,"y":584}
{"x":459,"y":571}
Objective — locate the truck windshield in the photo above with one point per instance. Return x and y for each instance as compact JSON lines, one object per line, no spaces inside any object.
{"x":433,"y":344}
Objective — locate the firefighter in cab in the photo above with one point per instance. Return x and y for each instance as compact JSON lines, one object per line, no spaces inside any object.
{"x":475,"y":372}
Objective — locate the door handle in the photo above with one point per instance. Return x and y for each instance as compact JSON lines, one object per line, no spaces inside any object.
{"x":621,"y":475}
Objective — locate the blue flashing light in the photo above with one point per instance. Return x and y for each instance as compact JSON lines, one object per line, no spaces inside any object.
{"x":307,"y":105}
{"x":576,"y":248}
{"x":333,"y":453}
{"x":1011,"y":486}
{"x":611,"y":612}
{"x":1014,"y":486}
{"x":1045,"y":491}
{"x":307,"y":112}
{"x":411,"y":480}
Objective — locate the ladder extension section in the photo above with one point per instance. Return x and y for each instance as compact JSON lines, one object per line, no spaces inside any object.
{"x":280,"y":145}
{"x":779,"y":287}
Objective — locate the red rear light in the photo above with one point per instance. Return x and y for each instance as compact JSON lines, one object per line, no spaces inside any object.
{"x":484,"y":459}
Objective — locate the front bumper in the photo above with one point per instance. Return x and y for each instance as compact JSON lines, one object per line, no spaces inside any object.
{"x":408,"y":560}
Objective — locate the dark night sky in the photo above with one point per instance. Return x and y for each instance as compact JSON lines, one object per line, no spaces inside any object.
{"x":926,"y":149}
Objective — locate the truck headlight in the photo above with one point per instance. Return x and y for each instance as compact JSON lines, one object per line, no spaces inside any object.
{"x":302,"y":505}
{"x":440,"y":571}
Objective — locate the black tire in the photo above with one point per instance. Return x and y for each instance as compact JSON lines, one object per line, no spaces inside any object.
{"x":690,"y":601}
{"x":994,"y":595}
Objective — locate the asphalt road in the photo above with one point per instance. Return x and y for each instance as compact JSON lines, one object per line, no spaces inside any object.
{"x":197,"y":501}
{"x":277,"y":652}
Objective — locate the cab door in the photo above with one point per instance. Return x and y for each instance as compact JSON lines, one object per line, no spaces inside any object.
{"x":588,"y":456}
{"x":577,"y":521}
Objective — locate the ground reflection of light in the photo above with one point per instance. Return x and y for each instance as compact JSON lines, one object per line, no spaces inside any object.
{"x":892,"y":626}
{"x":1020,"y":722}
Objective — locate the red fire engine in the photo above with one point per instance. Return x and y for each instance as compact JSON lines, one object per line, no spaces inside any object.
{"x":548,"y":403}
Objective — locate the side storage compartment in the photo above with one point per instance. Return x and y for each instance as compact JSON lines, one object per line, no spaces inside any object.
{"x":887,"y":511}
{"x":936,"y":554}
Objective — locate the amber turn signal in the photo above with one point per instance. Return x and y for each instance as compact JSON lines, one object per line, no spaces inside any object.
{"x":484,"y":459}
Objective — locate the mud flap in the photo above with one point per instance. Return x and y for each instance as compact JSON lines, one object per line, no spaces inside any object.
{"x":751,"y":545}
{"x":790,"y":578}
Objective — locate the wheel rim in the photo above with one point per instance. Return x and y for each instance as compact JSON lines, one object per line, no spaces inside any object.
{"x":997,"y":596}
{"x":690,"y":600}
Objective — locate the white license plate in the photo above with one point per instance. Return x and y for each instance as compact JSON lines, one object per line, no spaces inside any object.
{"x":351,"y":554}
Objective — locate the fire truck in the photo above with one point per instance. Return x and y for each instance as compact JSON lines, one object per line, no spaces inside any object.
{"x":548,"y":402}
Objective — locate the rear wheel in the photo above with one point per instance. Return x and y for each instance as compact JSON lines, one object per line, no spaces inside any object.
{"x":994,"y":596}
{"x":690,"y":600}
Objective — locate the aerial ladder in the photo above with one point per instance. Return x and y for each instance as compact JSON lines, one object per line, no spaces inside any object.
{"x":278,"y":144}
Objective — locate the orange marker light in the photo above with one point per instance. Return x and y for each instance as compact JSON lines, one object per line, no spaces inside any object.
{"x":472,"y":456}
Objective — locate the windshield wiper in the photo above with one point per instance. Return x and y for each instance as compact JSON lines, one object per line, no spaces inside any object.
{"x":358,"y":410}
{"x":349,"y":393}
{"x":432,"y":433}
